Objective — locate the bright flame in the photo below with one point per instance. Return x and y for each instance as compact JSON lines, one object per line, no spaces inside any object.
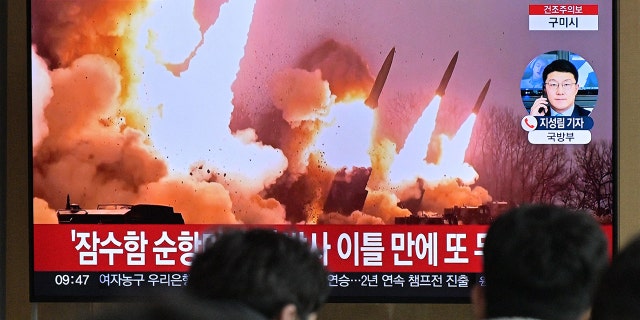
{"x":412,"y":155}
{"x":410,"y":162}
{"x":171,"y":31}
{"x":453,"y":151}
{"x":346,"y":139}
{"x":204,"y":115}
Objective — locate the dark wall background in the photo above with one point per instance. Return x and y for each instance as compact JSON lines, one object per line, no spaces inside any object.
{"x":14,"y":199}
{"x":3,"y":144}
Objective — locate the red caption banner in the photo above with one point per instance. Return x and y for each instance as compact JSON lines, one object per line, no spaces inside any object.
{"x":343,"y":248}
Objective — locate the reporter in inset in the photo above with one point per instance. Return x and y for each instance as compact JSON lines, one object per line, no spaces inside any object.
{"x":560,"y":89}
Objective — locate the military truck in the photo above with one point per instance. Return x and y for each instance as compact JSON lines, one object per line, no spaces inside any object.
{"x":482,"y":214}
{"x":119,"y":213}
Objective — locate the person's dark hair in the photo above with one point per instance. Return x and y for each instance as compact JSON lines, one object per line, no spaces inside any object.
{"x":262,"y":268}
{"x":178,"y":307}
{"x":618,"y":295}
{"x":560,"y":65}
{"x":542,"y":261}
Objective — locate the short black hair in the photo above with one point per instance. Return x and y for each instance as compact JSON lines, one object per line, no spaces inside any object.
{"x":542,"y":261}
{"x":560,"y":65}
{"x":618,"y":296}
{"x":178,"y":306}
{"x":263,"y":269}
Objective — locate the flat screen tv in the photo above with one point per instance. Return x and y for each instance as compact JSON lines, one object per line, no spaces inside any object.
{"x":388,"y":134}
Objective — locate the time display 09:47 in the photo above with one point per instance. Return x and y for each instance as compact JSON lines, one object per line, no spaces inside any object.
{"x":71,"y":279}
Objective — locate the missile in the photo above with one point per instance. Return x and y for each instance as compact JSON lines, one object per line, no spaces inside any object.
{"x":381,"y":78}
{"x":483,"y":94}
{"x":447,"y":75}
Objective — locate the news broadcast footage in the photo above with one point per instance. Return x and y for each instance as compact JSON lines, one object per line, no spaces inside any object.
{"x":389,"y":134}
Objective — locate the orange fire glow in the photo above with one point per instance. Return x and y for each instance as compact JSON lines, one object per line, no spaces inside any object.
{"x":146,"y":118}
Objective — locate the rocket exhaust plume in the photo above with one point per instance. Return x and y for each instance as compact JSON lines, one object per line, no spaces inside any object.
{"x":447,"y":75}
{"x":483,"y":94}
{"x":381,"y":78}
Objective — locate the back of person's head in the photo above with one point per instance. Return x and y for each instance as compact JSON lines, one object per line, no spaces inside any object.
{"x":618,"y":295}
{"x":542,"y":261}
{"x":178,"y":306}
{"x":263,"y":269}
{"x":560,"y":65}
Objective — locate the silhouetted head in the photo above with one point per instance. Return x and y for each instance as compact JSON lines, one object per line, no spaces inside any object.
{"x":263,"y":269}
{"x":542,"y":261}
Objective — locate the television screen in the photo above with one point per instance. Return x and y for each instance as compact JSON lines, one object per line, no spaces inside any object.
{"x":388,"y":134}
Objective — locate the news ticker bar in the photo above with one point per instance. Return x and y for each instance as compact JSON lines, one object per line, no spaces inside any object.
{"x":349,"y":286}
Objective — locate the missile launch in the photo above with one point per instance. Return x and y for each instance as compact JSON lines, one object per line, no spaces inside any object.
{"x":483,"y":94}
{"x":447,"y":75}
{"x":349,"y":188}
{"x":381,"y":78}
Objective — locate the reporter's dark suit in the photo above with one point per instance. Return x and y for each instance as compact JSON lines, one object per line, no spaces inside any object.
{"x":578,"y":111}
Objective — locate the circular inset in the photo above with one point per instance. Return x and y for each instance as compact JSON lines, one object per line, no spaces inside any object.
{"x":559,"y":83}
